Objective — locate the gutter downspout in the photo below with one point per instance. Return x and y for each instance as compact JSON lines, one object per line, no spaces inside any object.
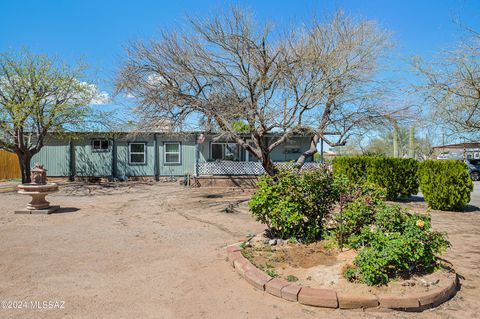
{"x":114,"y":158}
{"x":156,"y":172}
{"x":197,"y":155}
{"x":71,"y":160}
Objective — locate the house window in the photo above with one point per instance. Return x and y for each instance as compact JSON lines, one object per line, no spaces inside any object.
{"x":137,"y":153}
{"x":171,"y":153}
{"x":100,"y":145}
{"x":224,"y":151}
{"x":292,"y":149}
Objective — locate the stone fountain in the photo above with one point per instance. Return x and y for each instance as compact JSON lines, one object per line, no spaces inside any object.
{"x":38,"y":189}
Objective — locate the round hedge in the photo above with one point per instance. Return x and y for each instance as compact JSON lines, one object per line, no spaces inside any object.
{"x":445,"y":184}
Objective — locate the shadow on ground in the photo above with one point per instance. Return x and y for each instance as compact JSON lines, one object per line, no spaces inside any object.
{"x":469,"y":208}
{"x":65,"y":210}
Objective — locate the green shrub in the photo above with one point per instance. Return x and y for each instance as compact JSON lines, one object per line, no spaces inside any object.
{"x":352,"y":219}
{"x":352,"y":167}
{"x":398,"y":176}
{"x":396,"y":243}
{"x":445,"y":184}
{"x":293,"y":204}
{"x":390,"y":218}
{"x":356,"y":210}
{"x":350,"y":273}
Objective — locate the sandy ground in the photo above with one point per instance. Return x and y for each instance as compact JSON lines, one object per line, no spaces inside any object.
{"x":157,"y":251}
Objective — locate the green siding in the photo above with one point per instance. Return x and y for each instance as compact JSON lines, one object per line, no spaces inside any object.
{"x":55,"y":157}
{"x":91,"y":163}
{"x":278,"y":154}
{"x":124,"y":168}
{"x":187,"y":155}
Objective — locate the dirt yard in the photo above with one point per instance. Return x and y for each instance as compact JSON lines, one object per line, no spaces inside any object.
{"x":158,"y":251}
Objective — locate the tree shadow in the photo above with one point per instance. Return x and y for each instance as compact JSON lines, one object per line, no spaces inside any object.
{"x":416,"y":199}
{"x":411,"y":199}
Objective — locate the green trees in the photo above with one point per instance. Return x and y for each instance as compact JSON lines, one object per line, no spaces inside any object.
{"x":38,"y":96}
{"x":408,"y":144}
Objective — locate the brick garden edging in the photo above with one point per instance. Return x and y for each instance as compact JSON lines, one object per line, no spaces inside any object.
{"x":329,"y":298}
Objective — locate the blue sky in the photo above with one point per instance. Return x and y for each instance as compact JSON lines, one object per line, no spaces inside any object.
{"x":98,"y":31}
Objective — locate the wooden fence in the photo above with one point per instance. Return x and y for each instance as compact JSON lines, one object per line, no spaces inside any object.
{"x":9,"y":166}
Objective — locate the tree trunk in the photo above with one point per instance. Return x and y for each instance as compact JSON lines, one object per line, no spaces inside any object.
{"x":24,"y":161}
{"x":268,"y":166}
{"x":310,"y":152}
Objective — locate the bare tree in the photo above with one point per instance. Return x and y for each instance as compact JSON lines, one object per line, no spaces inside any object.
{"x":234,"y":72}
{"x":38,"y":97}
{"x":451,"y":87}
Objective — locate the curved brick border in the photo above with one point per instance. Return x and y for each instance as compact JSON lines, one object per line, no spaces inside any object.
{"x":329,"y":298}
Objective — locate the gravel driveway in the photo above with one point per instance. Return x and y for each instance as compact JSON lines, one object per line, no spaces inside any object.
{"x":157,"y":251}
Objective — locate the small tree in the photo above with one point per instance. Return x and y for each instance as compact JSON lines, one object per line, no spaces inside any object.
{"x":233,"y":72}
{"x":38,"y":96}
{"x":451,"y":86}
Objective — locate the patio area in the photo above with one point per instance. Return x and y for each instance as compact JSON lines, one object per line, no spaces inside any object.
{"x":140,"y":250}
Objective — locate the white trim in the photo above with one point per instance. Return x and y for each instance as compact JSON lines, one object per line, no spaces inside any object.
{"x":144,"y":153}
{"x":179,"y":153}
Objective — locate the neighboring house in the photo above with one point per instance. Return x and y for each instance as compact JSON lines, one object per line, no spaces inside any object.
{"x":124,"y":155}
{"x":461,"y":151}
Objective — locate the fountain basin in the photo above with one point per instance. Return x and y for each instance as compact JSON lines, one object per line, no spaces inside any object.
{"x":38,"y":192}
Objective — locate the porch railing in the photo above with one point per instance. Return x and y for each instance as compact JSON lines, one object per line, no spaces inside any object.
{"x":234,"y":168}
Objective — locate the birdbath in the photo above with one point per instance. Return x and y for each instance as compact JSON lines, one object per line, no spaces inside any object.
{"x":38,"y":189}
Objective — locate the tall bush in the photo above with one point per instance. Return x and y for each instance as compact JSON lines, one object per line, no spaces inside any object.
{"x":352,"y":167}
{"x":398,"y":176}
{"x":293,"y":204}
{"x":445,"y":184}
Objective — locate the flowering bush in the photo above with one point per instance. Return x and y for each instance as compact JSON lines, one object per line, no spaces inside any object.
{"x":395,"y":243}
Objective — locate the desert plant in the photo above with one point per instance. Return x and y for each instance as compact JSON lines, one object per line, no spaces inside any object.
{"x":445,"y":184}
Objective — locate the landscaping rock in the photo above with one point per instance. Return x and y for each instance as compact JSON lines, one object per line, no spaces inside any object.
{"x":347,"y":301}
{"x":257,"y":278}
{"x":318,"y":297}
{"x":274,"y":286}
{"x":397,"y":302}
{"x":272,"y":242}
{"x":291,"y":292}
